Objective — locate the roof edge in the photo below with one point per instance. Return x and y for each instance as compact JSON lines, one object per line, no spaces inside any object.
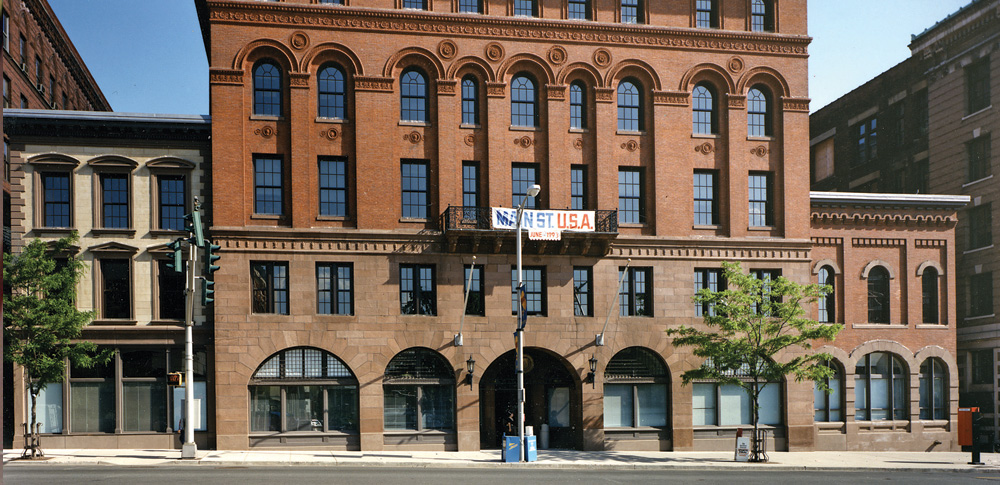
{"x":923,"y":200}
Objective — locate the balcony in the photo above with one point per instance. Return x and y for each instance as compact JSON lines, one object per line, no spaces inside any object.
{"x":470,"y":230}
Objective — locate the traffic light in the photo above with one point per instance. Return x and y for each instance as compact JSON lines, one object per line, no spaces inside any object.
{"x":207,"y":291}
{"x":192,"y":222}
{"x":178,"y":264}
{"x":211,"y":258}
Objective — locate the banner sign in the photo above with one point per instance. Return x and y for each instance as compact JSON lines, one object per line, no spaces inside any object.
{"x":544,"y":224}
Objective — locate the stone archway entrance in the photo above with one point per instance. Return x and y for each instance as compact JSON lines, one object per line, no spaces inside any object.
{"x":552,"y":396}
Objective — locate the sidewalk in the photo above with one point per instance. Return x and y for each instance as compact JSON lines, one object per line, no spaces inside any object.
{"x":819,"y":460}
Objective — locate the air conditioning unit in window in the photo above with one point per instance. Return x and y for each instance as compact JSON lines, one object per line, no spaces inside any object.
{"x":52,"y":104}
{"x":24,"y":67}
{"x":40,"y":87}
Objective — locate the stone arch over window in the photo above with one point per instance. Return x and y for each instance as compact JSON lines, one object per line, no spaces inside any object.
{"x":414,"y":56}
{"x":766,"y":76}
{"x":636,"y":390}
{"x":259,"y":49}
{"x":637,"y":69}
{"x":538,"y":67}
{"x":580,"y":71}
{"x":707,"y":71}
{"x":826,"y":262}
{"x":418,"y":392}
{"x":332,"y":52}
{"x":930,"y":264}
{"x":305,"y":390}
{"x":877,"y":262}
{"x":471,"y":65}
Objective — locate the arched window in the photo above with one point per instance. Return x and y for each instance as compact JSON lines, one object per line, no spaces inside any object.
{"x":929,"y":287}
{"x":828,"y":405}
{"x":413,"y":96}
{"x":267,"y":89}
{"x":878,"y":295}
{"x":418,"y":392}
{"x":933,"y":389}
{"x":526,"y":8}
{"x":761,"y":16}
{"x":880,"y":388}
{"x":577,"y":105}
{"x":636,"y":390}
{"x":523,"y":101}
{"x":303,"y":389}
{"x":331,"y":92}
{"x":704,"y":110}
{"x":827,"y":304}
{"x":758,"y":112}
{"x":470,"y":101}
{"x":629,"y":105}
{"x":717,"y":404}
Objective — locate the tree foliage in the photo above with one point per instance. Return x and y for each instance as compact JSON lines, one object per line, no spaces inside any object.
{"x":41,"y":321}
{"x":748,"y":324}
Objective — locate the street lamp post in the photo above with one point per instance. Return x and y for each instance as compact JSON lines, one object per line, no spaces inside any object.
{"x":519,"y":334}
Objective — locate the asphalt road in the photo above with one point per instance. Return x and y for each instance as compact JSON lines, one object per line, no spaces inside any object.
{"x":16,"y":474}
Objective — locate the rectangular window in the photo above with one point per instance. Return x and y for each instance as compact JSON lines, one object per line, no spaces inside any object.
{"x":268,"y":197}
{"x":578,"y":10}
{"x":525,"y":8}
{"x":415,"y":4}
{"x":331,"y":2}
{"x":24,"y":102}
{"x":52,"y":89}
{"x":144,"y":390}
{"x":980,"y":226}
{"x":55,"y":199}
{"x":38,"y":70}
{"x":470,"y":6}
{"x":522,"y":177}
{"x":173,"y":196}
{"x":636,"y":292}
{"x":335,"y":288}
{"x":583,"y":291}
{"x":578,"y":187}
{"x":867,"y":133}
{"x":761,"y":200}
{"x":23,"y":50}
{"x":92,"y":399}
{"x":114,"y":200}
{"x":6,"y":32}
{"x":474,"y":286}
{"x":534,"y":290}
{"x":333,"y":186}
{"x":898,"y":127}
{"x":706,"y":203}
{"x":170,"y":288}
{"x":631,"y":204}
{"x":979,"y":157}
{"x":705,"y":14}
{"x":707,"y":279}
{"x":6,"y":92}
{"x":470,"y":184}
{"x":981,"y":295}
{"x":116,"y":289}
{"x":417,"y":289}
{"x":768,"y":275}
{"x":631,"y":12}
{"x":6,"y":165}
{"x":977,"y":84}
{"x":270,"y":287}
{"x":413,"y":181}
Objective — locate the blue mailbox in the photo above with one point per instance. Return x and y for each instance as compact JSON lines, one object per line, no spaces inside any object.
{"x":511,"y":452}
{"x":531,"y":450}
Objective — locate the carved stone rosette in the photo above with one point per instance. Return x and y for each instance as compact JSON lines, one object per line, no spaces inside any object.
{"x":759,"y":150}
{"x":735,"y":64}
{"x":266,"y":131}
{"x":630,"y":145}
{"x":557,"y":55}
{"x":470,"y":139}
{"x":494,"y":52}
{"x":299,"y":40}
{"x":524,"y":141}
{"x":705,"y":148}
{"x":578,"y":143}
{"x":602,"y":57}
{"x":447,"y":49}
{"x":413,"y":137}
{"x":331,"y":134}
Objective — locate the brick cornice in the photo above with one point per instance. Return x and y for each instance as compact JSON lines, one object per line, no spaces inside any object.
{"x":490,"y":26}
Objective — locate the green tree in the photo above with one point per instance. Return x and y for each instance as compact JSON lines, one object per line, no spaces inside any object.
{"x":41,"y":323}
{"x":748,"y":324}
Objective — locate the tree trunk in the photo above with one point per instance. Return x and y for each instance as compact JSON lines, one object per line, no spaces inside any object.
{"x":755,"y":452}
{"x":36,"y":449}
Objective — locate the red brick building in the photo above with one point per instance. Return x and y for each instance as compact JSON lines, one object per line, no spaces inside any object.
{"x":357,"y":147}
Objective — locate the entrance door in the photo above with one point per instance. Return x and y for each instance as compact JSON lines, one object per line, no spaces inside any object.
{"x":552,"y":397}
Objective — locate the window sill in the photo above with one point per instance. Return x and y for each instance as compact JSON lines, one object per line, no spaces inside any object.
{"x":54,"y":230}
{"x":894,"y":326}
{"x":263,"y":314}
{"x":331,"y":218}
{"x":266,"y":118}
{"x":112,"y":321}
{"x":406,"y":432}
{"x":706,"y":135}
{"x":974,"y":182}
{"x":931,"y":326}
{"x":276,"y":434}
{"x":104,"y":231}
{"x":980,"y":317}
{"x":270,"y":217}
{"x":524,"y":128}
{"x":579,"y":130}
{"x":829,"y":424}
{"x":630,"y":133}
{"x":167,"y":321}
{"x":633,"y":225}
{"x":417,"y":315}
{"x":710,"y":227}
{"x":469,"y":127}
{"x":976,"y":250}
{"x":760,"y":138}
{"x":334,"y":121}
{"x":413,"y":220}
{"x":976,"y":113}
{"x":414,"y":123}
{"x":166,"y":232}
{"x":760,"y":228}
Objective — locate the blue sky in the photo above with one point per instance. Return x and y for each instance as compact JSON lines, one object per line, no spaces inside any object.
{"x":148,"y":55}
